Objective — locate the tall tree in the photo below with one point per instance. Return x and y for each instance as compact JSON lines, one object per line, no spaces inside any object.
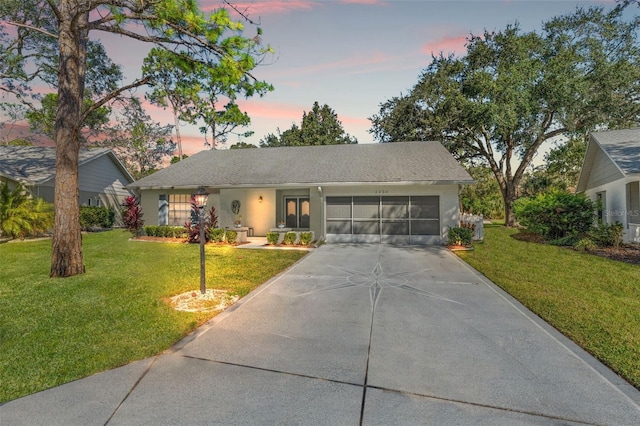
{"x":513,"y":91}
{"x":40,"y":27}
{"x":320,"y":126}
{"x":140,"y":143}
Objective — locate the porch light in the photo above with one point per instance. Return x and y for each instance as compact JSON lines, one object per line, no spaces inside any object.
{"x":201,"y":201}
{"x":260,"y":199}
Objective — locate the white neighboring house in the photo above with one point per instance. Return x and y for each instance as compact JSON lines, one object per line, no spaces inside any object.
{"x":102,"y":176}
{"x":401,"y":192}
{"x":611,"y":175}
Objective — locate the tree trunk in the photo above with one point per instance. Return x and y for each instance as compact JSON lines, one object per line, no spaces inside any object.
{"x":66,"y":258}
{"x":509,"y":199}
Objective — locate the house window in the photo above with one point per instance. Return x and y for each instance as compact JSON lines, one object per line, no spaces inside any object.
{"x":179,"y":209}
{"x":601,"y":199}
{"x":633,"y":202}
{"x":163,"y":210}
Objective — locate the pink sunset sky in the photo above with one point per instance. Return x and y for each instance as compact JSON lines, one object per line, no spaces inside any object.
{"x":350,"y":54}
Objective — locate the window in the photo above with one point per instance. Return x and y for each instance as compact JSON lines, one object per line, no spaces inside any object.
{"x":601,"y":199}
{"x":163,"y":210}
{"x":633,"y":202}
{"x":179,"y":209}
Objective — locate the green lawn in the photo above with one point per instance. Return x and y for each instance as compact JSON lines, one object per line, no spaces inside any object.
{"x":53,"y":331}
{"x":592,"y":300}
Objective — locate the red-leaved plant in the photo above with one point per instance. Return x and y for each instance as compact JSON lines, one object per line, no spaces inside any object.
{"x":193,"y":227}
{"x":132,"y":216}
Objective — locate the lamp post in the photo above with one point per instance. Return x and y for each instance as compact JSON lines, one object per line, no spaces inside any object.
{"x":201,"y":201}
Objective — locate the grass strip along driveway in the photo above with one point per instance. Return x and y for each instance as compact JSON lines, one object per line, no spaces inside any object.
{"x":592,"y":300}
{"x":53,"y":331}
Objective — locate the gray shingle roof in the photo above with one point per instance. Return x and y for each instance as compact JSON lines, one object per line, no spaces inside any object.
{"x":36,"y":164}
{"x":399,"y":162}
{"x":622,"y":146}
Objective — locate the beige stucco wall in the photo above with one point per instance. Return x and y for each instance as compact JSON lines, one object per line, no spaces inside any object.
{"x":263,"y":215}
{"x":256,"y":214}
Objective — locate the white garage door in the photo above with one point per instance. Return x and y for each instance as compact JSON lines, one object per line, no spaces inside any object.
{"x":388,"y":219}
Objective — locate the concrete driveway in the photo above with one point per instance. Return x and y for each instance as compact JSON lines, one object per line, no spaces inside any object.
{"x":367,"y":334}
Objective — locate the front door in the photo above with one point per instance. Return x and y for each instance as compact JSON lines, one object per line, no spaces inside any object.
{"x":297,"y":212}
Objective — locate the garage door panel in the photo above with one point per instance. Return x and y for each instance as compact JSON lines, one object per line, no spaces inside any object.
{"x":395,"y":207}
{"x":366,"y":207}
{"x":366,"y":227}
{"x":339,"y":226}
{"x":390,"y":219}
{"x":425,"y":207}
{"x":395,"y":228}
{"x":425,"y":227}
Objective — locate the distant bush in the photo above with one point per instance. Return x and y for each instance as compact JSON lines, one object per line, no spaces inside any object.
{"x":568,"y":241}
{"x":165,"y":231}
{"x":605,"y":235}
{"x":289,"y":238}
{"x":556,"y":215}
{"x":272,"y":238}
{"x":305,"y":238}
{"x":216,"y":235}
{"x":459,"y":236}
{"x":231,"y":236}
{"x":92,"y":217}
{"x":585,"y":244}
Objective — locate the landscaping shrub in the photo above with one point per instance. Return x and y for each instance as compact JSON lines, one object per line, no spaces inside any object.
{"x":92,"y":217}
{"x":272,"y":238}
{"x":21,"y":215}
{"x":151,"y":231}
{"x":556,"y":215}
{"x":605,"y":235}
{"x":305,"y":238}
{"x":231,"y":237}
{"x":216,"y":235}
{"x":585,"y":244}
{"x":192,"y":228}
{"x":132,"y":216}
{"x":289,"y":238}
{"x":568,"y":241}
{"x":459,"y":236}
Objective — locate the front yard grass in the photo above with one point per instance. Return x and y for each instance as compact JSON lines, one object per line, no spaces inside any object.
{"x":53,"y":331}
{"x":592,"y":300}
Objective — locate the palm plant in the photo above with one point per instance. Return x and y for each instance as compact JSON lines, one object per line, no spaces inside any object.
{"x":22,"y":215}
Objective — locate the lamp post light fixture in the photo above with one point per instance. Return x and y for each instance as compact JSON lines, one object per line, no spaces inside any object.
{"x":201,"y":201}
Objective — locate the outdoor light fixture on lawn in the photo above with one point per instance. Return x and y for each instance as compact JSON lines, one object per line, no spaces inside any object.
{"x":201,"y":201}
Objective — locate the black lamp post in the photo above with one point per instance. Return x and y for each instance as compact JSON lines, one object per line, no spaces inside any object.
{"x":201,"y":201}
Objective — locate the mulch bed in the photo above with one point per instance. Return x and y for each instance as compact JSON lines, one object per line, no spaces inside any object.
{"x":628,"y":253}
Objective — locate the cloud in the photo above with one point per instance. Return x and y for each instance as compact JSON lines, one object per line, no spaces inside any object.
{"x":446,"y":45}
{"x":271,"y":110}
{"x":250,"y":8}
{"x":357,"y":64}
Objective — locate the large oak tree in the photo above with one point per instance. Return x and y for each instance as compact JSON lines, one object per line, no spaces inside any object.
{"x":33,"y":29}
{"x":513,"y":91}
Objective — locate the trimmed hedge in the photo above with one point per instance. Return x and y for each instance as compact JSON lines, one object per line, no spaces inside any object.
{"x":96,"y":217}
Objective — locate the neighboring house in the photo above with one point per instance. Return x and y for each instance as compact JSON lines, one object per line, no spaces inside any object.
{"x":611,"y":175}
{"x":102,"y":177}
{"x":402,"y":192}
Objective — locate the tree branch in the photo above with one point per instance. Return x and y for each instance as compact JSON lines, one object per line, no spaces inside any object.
{"x":114,"y":95}
{"x":40,"y":30}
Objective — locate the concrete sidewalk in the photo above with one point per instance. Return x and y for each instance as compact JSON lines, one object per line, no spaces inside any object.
{"x":367,"y":334}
